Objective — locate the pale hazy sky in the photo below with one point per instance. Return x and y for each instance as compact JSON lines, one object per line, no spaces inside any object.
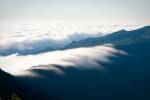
{"x":101,"y":11}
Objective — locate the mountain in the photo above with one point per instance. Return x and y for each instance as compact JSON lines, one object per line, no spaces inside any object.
{"x":121,"y":37}
{"x":126,"y":77}
{"x":8,"y":86}
{"x":11,"y":87}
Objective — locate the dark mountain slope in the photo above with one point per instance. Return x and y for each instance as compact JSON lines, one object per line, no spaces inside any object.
{"x":10,"y":86}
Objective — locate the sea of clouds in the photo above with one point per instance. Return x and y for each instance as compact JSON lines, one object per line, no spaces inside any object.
{"x":32,"y":37}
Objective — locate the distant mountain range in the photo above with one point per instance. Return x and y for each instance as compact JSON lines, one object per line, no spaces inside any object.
{"x":121,"y":37}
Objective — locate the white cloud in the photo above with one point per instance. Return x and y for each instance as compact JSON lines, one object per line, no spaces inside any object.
{"x":29,"y":37}
{"x":82,"y":58}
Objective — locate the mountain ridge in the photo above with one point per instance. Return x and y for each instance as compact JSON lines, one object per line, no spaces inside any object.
{"x":121,"y":37}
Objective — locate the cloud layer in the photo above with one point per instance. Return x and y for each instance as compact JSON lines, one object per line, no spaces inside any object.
{"x":73,"y":57}
{"x":32,"y":37}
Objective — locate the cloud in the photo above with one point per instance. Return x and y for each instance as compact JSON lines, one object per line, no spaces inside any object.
{"x":79,"y":58}
{"x":33,"y":37}
{"x":30,"y":46}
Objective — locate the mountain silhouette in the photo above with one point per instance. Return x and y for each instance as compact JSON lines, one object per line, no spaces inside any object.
{"x":121,"y":37}
{"x":10,"y":85}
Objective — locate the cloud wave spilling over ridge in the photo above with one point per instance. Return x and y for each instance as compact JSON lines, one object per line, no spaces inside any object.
{"x":92,"y":56}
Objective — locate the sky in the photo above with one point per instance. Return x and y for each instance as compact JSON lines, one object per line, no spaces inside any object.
{"x":100,"y":11}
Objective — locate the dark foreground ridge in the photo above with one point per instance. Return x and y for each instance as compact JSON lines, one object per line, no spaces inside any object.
{"x":13,"y":89}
